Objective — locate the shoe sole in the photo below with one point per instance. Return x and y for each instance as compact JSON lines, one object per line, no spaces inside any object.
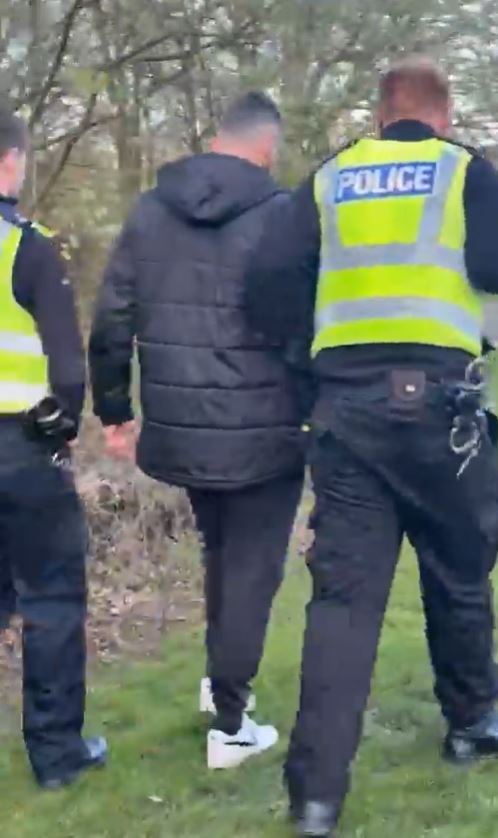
{"x":312,"y":827}
{"x":70,"y":779}
{"x":318,"y":832}
{"x":466,"y":762}
{"x":464,"y":753}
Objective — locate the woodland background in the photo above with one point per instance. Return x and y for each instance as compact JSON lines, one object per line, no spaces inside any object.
{"x":113,"y":88}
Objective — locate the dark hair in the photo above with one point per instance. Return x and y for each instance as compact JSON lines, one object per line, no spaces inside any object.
{"x":250,"y":111}
{"x":13,"y":132}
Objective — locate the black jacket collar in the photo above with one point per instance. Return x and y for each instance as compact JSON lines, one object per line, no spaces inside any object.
{"x":408,"y":130}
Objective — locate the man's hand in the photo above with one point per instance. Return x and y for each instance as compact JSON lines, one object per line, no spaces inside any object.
{"x":120,"y":441}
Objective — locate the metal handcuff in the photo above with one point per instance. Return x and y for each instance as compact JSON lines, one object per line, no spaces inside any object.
{"x":470,"y":421}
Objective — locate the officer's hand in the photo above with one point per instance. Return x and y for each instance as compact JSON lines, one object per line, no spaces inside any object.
{"x":120,"y":441}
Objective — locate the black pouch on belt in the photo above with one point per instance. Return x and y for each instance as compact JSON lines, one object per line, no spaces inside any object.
{"x":407,"y":394}
{"x":47,"y":422}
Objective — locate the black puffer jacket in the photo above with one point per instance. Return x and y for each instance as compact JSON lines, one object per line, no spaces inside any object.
{"x":219,"y":407}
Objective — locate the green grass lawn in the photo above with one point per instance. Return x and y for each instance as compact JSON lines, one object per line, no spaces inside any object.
{"x":148,"y":712}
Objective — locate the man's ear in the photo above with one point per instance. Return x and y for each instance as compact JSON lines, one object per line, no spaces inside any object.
{"x":268,"y":148}
{"x":273,"y":155}
{"x":443,"y":124}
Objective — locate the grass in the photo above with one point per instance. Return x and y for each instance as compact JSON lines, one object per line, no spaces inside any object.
{"x":156,"y":785}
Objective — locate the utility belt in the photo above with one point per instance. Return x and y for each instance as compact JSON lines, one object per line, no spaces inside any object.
{"x":461,"y":394}
{"x":48,"y":424}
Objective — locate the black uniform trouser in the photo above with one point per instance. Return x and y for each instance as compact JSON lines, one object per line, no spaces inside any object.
{"x":246,"y":535}
{"x":42,"y":547}
{"x":382,"y":468}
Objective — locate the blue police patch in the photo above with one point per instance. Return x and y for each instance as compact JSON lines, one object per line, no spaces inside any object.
{"x":387,"y":180}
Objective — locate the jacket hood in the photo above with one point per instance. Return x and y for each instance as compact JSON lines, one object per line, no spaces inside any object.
{"x":212,"y":189}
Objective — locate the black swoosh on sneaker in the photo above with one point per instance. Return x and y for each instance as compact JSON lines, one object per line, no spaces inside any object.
{"x":241,"y":744}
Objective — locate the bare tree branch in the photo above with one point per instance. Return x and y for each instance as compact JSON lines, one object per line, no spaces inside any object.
{"x":68,"y":149}
{"x":158,"y":59}
{"x":225,"y":39}
{"x":110,"y":66}
{"x":67,"y":28}
{"x":67,"y":135}
{"x":158,"y":82}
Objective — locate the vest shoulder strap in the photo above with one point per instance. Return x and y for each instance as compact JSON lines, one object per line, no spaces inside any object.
{"x":61,"y":244}
{"x":319,"y":173}
{"x":19,"y":222}
{"x":470,"y":149}
{"x":337,"y":152}
{"x":6,"y":230}
{"x":42,"y":230}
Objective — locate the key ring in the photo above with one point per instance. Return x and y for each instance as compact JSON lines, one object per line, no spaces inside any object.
{"x":466,"y":463}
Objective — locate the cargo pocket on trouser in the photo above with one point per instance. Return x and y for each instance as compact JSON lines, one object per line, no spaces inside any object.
{"x":407,"y":395}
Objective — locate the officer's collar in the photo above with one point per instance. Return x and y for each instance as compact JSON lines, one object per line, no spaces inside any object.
{"x":408,"y":130}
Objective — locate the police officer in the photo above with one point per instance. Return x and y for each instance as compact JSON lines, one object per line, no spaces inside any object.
{"x":42,"y":528}
{"x":390,"y":243}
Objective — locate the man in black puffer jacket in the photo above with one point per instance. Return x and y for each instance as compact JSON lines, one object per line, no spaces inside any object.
{"x":220,"y":412}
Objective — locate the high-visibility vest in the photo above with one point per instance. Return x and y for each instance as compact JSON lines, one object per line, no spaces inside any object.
{"x":23,"y":364}
{"x":392,"y":265}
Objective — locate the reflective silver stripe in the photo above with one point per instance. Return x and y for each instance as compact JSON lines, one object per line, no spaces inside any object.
{"x":340,"y":258}
{"x":21,"y":394}
{"x":425,"y":251}
{"x":383,"y":308}
{"x":5,"y":229}
{"x":22,"y":344}
{"x":435,"y":205}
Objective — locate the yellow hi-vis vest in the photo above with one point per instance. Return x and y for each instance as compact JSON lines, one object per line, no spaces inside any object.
{"x":23,"y":365}
{"x":392,"y":266}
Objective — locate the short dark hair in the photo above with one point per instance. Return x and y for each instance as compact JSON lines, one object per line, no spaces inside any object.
{"x":13,"y":132}
{"x":250,"y":111}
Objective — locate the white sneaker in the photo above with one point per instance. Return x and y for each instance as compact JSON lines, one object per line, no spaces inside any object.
{"x":206,"y":702}
{"x":224,"y":751}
